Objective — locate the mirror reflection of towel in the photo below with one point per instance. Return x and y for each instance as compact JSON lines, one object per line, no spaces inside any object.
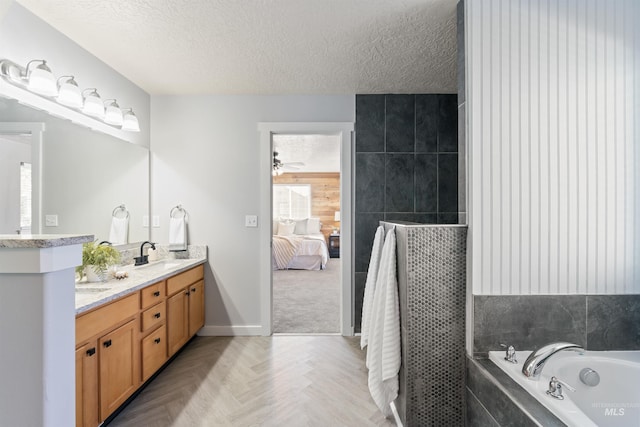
{"x":118,"y":234}
{"x":177,"y":234}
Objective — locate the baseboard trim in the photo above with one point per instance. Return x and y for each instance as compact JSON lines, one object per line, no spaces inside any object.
{"x":230,"y":331}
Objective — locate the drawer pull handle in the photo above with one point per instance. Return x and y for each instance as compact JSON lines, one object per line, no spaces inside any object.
{"x":157,"y":340}
{"x":187,"y":293}
{"x":91,"y":351}
{"x":156,"y":294}
{"x":157,"y":315}
{"x":107,"y":343}
{"x":193,"y":289}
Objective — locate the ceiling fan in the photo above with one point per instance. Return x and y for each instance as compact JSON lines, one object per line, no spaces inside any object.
{"x":279,"y":166}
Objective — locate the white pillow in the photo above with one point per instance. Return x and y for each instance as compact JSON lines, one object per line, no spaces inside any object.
{"x":301,"y":226}
{"x":313,"y":226}
{"x":286,"y":229}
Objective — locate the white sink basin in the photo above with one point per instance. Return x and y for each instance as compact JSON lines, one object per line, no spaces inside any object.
{"x":158,"y":265}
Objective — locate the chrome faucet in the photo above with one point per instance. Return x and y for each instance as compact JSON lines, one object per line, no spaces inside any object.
{"x":144,"y":259}
{"x":532,"y":367}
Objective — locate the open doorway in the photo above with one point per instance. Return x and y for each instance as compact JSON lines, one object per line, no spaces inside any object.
{"x":16,"y":190}
{"x":20,"y":175}
{"x":306,"y":277}
{"x":345,"y":132}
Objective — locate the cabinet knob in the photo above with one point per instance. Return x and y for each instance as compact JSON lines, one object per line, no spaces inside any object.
{"x":187,"y":293}
{"x":193,"y":289}
{"x":157,"y":340}
{"x":156,"y":294}
{"x":157,"y":315}
{"x":107,"y":343}
{"x":91,"y":351}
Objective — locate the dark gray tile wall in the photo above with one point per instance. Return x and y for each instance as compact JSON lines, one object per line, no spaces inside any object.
{"x":613,"y":322}
{"x":406,"y":167}
{"x":596,"y":322}
{"x":432,"y":292}
{"x":462,"y":110}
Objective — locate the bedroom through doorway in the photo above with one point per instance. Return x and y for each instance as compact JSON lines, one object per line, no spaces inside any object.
{"x":306,"y":264}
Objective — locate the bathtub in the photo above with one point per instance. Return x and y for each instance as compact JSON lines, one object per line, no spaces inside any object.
{"x":614,"y":402}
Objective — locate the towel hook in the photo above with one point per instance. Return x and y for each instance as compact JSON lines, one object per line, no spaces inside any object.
{"x":178,"y":209}
{"x":120,"y":208}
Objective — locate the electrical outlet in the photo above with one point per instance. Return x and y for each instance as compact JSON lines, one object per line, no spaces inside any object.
{"x":156,"y":221}
{"x":51,"y":220}
{"x":145,"y":220}
{"x":251,"y":220}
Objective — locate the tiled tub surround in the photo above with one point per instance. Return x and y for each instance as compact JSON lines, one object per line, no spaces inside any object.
{"x":431,"y":286}
{"x":596,"y":322}
{"x":91,"y":295}
{"x":494,"y":399}
{"x":406,"y":168}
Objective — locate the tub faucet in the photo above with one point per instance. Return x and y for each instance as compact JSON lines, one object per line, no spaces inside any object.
{"x":532,"y":367}
{"x":144,"y":259}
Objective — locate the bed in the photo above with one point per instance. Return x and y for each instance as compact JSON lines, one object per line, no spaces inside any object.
{"x":299,"y":245}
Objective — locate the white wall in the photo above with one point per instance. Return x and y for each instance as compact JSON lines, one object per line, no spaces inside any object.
{"x":24,"y":36}
{"x":205,"y":156}
{"x":553,"y":91}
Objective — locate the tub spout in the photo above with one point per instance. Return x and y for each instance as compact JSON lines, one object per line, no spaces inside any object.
{"x":534,"y":364}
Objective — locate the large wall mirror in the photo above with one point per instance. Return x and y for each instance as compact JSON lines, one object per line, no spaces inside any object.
{"x":85,"y":176}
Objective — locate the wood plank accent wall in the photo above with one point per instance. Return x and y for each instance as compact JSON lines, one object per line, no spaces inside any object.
{"x":325,"y":195}
{"x":553,"y":107}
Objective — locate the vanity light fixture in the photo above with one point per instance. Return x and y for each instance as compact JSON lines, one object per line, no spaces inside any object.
{"x":93,"y":105}
{"x":40,"y":79}
{"x":24,"y":84}
{"x":113,"y":114}
{"x":69,"y":93}
{"x":130,"y":121}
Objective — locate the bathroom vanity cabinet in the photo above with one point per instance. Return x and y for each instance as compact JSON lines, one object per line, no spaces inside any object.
{"x":185,"y":307}
{"x":121,"y":344}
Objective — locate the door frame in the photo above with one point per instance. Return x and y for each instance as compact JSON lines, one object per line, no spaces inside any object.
{"x":345,"y":131}
{"x":36,"y":130}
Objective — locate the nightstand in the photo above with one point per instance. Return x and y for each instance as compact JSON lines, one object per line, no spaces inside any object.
{"x":334,"y":245}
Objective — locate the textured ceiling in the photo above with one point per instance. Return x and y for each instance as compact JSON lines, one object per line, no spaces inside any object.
{"x":266,"y":46}
{"x":317,"y":153}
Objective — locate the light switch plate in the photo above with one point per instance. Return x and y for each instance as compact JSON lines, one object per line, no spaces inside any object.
{"x":251,"y":220}
{"x":145,"y":220}
{"x":51,"y":220}
{"x":156,"y":220}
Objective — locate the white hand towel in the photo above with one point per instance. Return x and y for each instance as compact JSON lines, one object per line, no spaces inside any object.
{"x":178,"y":234}
{"x":370,"y":286}
{"x":383,"y":352}
{"x":118,"y":234}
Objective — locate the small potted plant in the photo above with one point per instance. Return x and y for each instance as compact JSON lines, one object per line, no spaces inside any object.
{"x":96,"y":260}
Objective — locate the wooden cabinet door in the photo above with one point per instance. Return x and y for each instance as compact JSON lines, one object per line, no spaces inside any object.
{"x":87,"y":414}
{"x":154,"y":352}
{"x":196,"y":307}
{"x":119,"y":367}
{"x":177,"y":321}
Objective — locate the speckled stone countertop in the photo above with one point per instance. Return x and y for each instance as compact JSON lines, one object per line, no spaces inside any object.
{"x":91,"y":295}
{"x":42,"y":240}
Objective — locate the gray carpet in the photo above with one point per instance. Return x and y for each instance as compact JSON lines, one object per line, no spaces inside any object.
{"x":307,"y":301}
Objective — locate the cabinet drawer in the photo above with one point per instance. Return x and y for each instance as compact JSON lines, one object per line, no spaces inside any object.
{"x":152,"y":294}
{"x":154,"y":352}
{"x":106,"y":317}
{"x":176,"y":283}
{"x":153,"y":316}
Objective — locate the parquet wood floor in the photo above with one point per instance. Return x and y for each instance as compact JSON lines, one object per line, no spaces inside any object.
{"x":279,"y":381}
